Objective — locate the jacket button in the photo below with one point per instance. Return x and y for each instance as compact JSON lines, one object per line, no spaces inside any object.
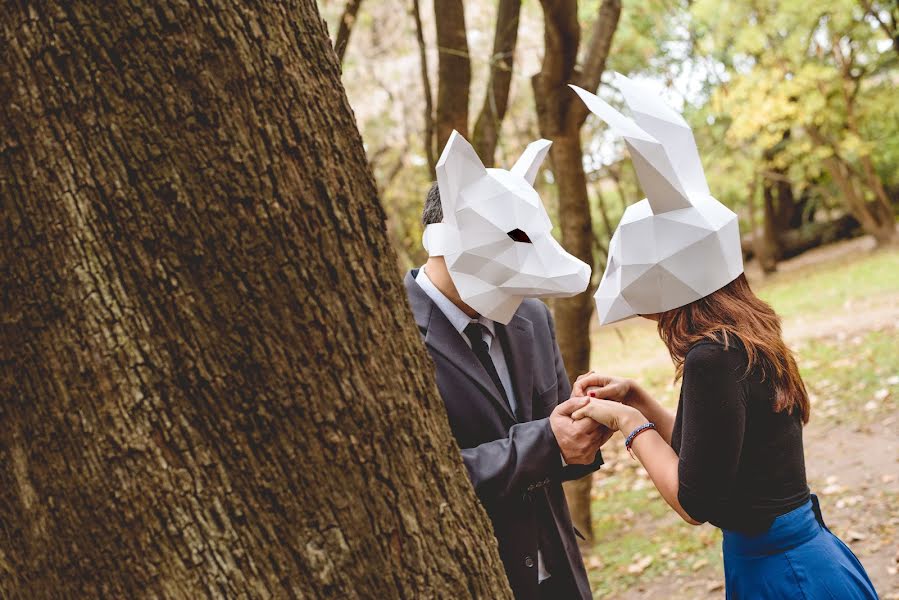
{"x":528,"y":562}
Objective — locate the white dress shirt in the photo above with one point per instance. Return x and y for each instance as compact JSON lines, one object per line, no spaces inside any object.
{"x":459,"y":320}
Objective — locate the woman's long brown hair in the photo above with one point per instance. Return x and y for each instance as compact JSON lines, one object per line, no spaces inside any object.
{"x":736,"y":311}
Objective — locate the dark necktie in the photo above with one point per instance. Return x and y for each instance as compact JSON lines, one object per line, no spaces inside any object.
{"x":475,"y":334}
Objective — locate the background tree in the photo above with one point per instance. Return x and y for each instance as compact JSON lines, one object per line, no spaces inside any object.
{"x":496,"y":100}
{"x":453,"y":71}
{"x":560,"y":115}
{"x":199,"y":334}
{"x":347,"y":20}
{"x":810,"y":92}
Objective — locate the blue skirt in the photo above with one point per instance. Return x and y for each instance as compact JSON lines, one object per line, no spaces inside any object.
{"x":797,"y":558}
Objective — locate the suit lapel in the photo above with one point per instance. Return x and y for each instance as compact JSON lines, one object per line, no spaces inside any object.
{"x":441,"y":336}
{"x":519,"y":350}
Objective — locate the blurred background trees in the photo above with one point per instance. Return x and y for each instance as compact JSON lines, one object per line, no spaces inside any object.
{"x":793,"y":105}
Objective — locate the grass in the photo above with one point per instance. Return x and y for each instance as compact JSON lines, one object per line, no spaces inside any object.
{"x":835,"y":286}
{"x":852,"y":379}
{"x":852,"y":376}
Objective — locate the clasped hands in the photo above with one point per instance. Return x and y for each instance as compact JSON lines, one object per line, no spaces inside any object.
{"x":599,"y":406}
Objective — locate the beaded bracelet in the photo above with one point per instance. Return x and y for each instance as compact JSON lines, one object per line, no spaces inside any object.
{"x":630,"y":439}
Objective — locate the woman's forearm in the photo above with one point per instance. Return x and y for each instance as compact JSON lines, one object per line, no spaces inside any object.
{"x":653,"y":411}
{"x":660,"y":463}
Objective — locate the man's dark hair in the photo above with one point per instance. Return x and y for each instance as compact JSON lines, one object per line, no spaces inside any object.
{"x":432,"y":212}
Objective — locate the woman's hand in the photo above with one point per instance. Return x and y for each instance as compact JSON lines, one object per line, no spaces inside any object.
{"x":614,"y":415}
{"x":607,"y":387}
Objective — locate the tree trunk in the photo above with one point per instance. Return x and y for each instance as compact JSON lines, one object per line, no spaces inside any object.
{"x":430,"y":127}
{"x":573,"y":315}
{"x":453,"y":70}
{"x":210,"y":384}
{"x":880,"y":226}
{"x":767,"y":246}
{"x":808,"y":236}
{"x":560,"y":115}
{"x":496,"y":100}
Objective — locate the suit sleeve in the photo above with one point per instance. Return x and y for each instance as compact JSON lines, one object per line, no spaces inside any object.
{"x":569,"y":472}
{"x":508,"y":466}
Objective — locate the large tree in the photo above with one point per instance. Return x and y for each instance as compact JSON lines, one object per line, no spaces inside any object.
{"x":560,"y":116}
{"x":209,"y":381}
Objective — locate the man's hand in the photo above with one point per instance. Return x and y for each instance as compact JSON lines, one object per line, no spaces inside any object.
{"x":580,"y":440}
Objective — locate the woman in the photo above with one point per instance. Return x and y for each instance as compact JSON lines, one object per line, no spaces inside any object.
{"x":732,"y":454}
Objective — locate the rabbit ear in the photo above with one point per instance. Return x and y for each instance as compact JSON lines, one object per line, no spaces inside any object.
{"x":666,"y":125}
{"x":657,"y":176}
{"x":458,"y":166}
{"x":530,"y":160}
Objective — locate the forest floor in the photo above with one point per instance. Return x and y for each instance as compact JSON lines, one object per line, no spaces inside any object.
{"x":840,"y":310}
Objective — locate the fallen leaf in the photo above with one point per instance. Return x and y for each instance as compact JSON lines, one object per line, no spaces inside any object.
{"x":834,"y":488}
{"x":855,"y":536}
{"x":639,"y":565}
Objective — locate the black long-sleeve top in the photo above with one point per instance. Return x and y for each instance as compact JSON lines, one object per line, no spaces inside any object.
{"x":740,"y":463}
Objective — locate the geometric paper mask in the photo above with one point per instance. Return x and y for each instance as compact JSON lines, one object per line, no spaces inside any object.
{"x":677,"y":245}
{"x":496,"y":236}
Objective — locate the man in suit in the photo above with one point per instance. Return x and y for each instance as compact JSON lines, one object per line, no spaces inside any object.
{"x":507,"y":397}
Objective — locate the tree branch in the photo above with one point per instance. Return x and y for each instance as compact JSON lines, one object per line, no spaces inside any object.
{"x":888,"y":28}
{"x":561,"y":36}
{"x":496,"y":100}
{"x":595,"y":58}
{"x":347,"y":20}
{"x":453,"y":70}
{"x":426,"y":85}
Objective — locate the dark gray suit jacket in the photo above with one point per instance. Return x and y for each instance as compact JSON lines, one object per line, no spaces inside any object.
{"x":513,"y":460}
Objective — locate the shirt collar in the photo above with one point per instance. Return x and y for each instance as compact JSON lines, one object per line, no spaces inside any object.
{"x":455,"y":315}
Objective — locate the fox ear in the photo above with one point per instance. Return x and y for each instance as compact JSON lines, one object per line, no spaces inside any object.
{"x":458,"y":167}
{"x":531,"y":159}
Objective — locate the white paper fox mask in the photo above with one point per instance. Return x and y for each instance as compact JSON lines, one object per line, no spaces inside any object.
{"x":678,"y":244}
{"x":496,"y":236}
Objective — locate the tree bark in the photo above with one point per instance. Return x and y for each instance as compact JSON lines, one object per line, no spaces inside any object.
{"x":767,"y":247}
{"x":496,"y":100}
{"x":453,"y":70}
{"x":347,"y":21}
{"x":210,"y":383}
{"x":560,"y":115}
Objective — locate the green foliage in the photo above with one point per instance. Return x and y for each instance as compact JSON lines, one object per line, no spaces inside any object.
{"x":794,"y":69}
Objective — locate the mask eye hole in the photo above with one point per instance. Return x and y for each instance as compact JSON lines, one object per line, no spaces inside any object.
{"x":519,"y":236}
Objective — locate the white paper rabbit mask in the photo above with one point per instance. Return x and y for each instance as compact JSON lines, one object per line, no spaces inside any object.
{"x":677,"y":245}
{"x":496,"y":237}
